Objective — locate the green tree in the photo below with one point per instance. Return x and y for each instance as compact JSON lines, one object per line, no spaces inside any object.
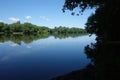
{"x":101,"y":23}
{"x":2,"y":27}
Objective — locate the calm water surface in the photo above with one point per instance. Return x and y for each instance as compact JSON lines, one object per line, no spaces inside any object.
{"x":42,"y":59}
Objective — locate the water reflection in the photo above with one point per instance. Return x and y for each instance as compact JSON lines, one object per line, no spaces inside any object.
{"x":18,"y":38}
{"x":105,"y":63}
{"x":41,"y":58}
{"x":14,"y":45}
{"x":22,"y":38}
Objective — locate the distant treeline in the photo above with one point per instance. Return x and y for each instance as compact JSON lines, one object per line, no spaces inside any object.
{"x":28,"y":28}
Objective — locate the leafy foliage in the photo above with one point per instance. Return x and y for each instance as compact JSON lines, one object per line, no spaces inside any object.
{"x":105,"y":18}
{"x":104,"y":23}
{"x":28,"y":28}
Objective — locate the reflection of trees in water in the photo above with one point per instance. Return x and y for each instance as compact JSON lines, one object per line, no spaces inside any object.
{"x":63,"y":36}
{"x":18,"y":38}
{"x":105,"y":63}
{"x":22,"y":38}
{"x":106,"y":60}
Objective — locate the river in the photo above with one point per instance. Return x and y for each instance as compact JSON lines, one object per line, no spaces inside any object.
{"x":42,"y":59}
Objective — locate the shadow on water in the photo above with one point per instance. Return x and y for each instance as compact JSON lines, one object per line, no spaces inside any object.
{"x":105,"y":63}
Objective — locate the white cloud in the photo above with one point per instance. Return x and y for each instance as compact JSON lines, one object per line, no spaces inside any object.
{"x":13,"y":45}
{"x":28,"y":17}
{"x":44,"y":18}
{"x":29,"y":46}
{"x":14,"y":19}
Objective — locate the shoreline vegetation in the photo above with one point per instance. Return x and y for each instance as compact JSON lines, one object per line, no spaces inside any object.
{"x":27,"y":32}
{"x":28,"y":28}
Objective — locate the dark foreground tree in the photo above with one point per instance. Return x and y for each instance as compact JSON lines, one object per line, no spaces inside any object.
{"x":105,"y":53}
{"x":104,"y":22}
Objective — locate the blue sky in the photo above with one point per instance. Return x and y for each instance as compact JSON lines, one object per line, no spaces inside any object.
{"x":40,"y":12}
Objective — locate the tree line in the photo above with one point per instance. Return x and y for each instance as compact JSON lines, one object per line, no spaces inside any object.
{"x":28,"y":28}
